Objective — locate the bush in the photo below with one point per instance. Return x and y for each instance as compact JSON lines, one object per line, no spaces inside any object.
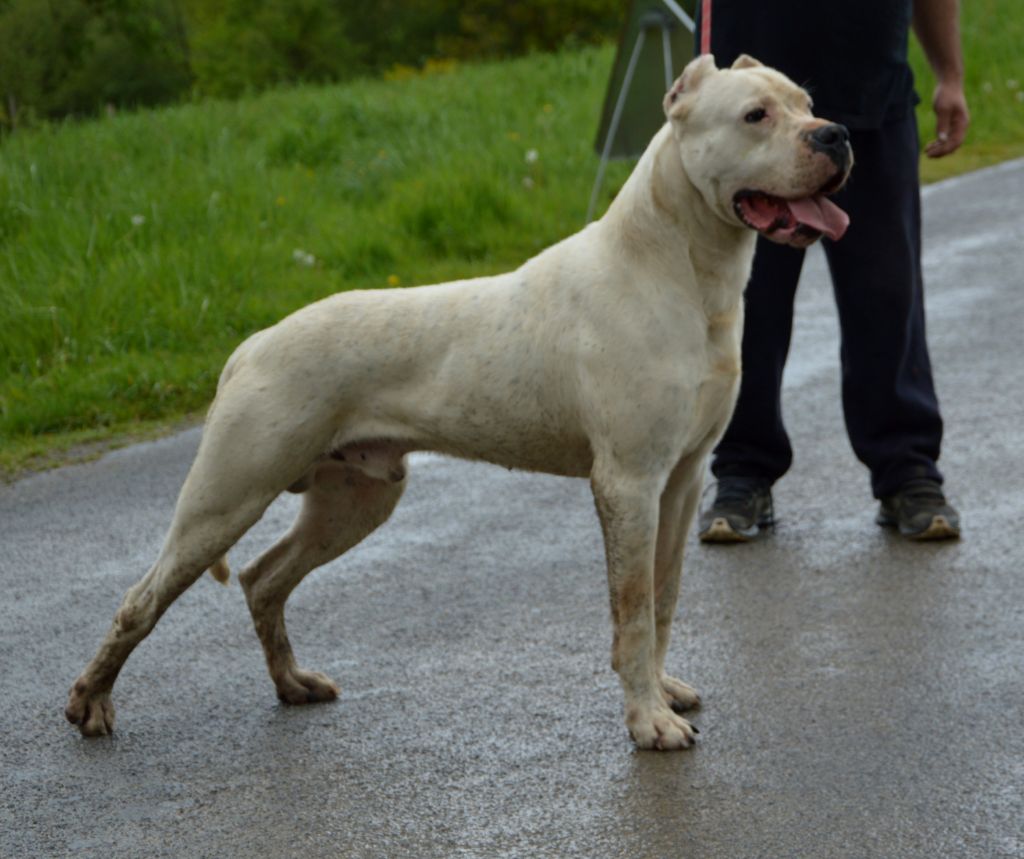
{"x":495,"y":28}
{"x":76,"y":56}
{"x":254,"y":44}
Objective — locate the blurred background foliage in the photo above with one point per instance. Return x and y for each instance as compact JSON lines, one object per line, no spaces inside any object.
{"x":79,"y":57}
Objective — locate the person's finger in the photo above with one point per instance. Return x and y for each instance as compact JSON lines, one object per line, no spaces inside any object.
{"x":956,"y":131}
{"x":942,"y":145}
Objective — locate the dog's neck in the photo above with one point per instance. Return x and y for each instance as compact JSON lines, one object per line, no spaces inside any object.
{"x":660,"y":211}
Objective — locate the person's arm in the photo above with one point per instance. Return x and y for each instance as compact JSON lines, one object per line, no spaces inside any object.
{"x":937,"y":25}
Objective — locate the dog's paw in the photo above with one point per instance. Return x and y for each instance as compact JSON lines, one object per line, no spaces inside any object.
{"x":92,"y":712}
{"x":659,"y":728}
{"x":305,"y":687}
{"x":678,"y":695}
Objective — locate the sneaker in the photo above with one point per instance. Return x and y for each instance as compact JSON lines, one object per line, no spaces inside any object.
{"x":920,"y":511}
{"x":742,"y":506}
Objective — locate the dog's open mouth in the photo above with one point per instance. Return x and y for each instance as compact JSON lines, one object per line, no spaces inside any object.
{"x":795,"y":222}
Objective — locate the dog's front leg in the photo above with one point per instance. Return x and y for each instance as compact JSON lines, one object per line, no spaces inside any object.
{"x":679,"y":502}
{"x":628,"y":507}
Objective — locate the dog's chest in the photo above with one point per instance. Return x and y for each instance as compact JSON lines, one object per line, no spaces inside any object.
{"x":719,"y":384}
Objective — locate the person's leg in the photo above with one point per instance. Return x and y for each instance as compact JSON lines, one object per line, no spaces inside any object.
{"x":755,"y":444}
{"x":892,"y":414}
{"x":754,"y":452}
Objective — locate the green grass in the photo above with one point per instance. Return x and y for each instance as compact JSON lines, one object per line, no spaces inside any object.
{"x":106,"y":322}
{"x":111,"y":326}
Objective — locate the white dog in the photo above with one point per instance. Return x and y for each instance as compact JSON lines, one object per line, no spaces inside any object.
{"x":614,"y":355}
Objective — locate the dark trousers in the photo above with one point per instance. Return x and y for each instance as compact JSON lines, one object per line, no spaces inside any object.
{"x":889,"y":403}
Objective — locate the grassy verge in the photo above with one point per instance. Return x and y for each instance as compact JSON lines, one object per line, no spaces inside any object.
{"x":992,"y":32}
{"x":137,"y":251}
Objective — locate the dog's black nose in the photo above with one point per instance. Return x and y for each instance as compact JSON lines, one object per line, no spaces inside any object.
{"x":830,"y":136}
{"x":833,"y":140}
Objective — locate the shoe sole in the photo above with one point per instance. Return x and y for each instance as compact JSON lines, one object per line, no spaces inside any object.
{"x":940,"y":528}
{"x":720,"y":531}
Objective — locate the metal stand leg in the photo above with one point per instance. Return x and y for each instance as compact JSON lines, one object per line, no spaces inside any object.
{"x":613,"y":126}
{"x":627,"y":80}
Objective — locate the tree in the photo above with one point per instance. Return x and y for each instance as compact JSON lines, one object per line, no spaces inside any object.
{"x":75,"y":56}
{"x":243,"y":44}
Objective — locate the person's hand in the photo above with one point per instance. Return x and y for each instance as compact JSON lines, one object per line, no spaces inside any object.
{"x":951,"y":119}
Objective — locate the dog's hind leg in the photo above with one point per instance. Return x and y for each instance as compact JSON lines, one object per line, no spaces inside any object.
{"x":191,"y":548}
{"x":225,"y":493}
{"x":341,"y":507}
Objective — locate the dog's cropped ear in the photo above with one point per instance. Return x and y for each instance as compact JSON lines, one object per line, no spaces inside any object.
{"x":745,"y":61}
{"x":695,"y":71}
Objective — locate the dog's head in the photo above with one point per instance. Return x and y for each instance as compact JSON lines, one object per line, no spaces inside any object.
{"x":760,"y":159}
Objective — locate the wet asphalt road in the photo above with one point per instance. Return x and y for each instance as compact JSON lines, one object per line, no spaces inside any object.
{"x":862,"y":696}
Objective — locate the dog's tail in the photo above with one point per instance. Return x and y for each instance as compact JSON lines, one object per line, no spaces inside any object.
{"x":221,"y":571}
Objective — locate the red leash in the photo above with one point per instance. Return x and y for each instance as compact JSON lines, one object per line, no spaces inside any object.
{"x":705,"y":27}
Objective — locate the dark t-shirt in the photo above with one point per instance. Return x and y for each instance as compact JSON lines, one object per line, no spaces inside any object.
{"x":851,"y":55}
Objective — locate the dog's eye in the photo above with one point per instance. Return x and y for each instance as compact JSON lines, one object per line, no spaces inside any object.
{"x":755,"y":115}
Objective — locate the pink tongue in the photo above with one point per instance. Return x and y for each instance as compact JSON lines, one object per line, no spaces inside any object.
{"x":820,"y":214}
